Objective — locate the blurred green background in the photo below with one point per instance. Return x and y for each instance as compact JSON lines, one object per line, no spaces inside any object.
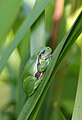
{"x":61,"y":94}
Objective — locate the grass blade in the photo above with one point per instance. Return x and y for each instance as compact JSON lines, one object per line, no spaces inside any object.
{"x":8,"y":12}
{"x":77,"y":113}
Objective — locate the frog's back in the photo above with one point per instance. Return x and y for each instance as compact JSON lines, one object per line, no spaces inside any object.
{"x":30,"y":67}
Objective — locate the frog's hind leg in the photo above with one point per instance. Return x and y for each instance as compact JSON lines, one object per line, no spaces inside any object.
{"x":28,"y":85}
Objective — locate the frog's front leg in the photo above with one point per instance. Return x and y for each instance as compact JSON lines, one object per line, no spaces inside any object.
{"x":28,"y":85}
{"x":39,"y":76}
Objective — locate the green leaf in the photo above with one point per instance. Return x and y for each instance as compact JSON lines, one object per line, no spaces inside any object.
{"x":58,"y":115}
{"x":8,"y":12}
{"x":49,"y":16}
{"x":57,"y":58}
{"x":24,"y":50}
{"x":37,"y":40}
{"x":77,"y":112}
{"x":24,"y":53}
{"x":38,"y":34}
{"x":73,"y":34}
{"x":31,"y":18}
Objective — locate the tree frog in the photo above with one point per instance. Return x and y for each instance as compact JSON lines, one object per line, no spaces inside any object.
{"x":35,"y":69}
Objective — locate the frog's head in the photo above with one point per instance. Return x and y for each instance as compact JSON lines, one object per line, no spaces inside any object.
{"x":44,"y":58}
{"x":46,"y":51}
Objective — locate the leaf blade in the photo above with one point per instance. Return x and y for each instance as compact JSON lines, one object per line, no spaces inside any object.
{"x":8,"y":13}
{"x":77,"y":112}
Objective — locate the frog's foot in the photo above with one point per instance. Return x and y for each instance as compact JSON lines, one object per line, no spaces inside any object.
{"x":28,"y":85}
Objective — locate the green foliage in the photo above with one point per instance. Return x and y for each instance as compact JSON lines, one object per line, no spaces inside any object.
{"x":8,"y":12}
{"x":54,"y":98}
{"x":77,"y":107}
